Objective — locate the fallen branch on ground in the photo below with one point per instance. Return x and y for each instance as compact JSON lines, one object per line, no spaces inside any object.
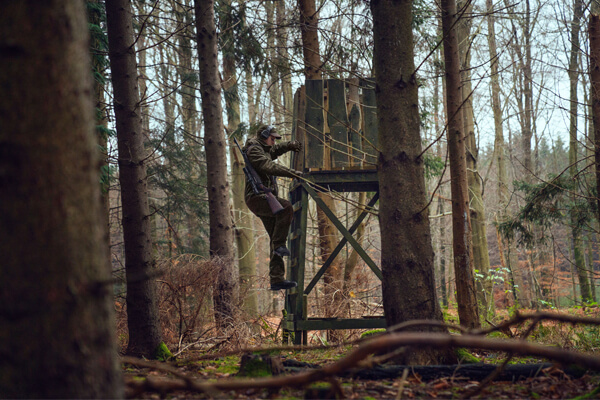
{"x":393,"y":340}
{"x":519,"y":318}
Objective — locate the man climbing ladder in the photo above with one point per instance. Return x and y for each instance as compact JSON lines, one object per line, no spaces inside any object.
{"x":261,"y":152}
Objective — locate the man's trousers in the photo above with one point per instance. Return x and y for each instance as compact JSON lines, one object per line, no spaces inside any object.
{"x":277,"y":227}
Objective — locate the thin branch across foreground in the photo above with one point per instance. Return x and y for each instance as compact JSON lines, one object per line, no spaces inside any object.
{"x":378,"y":344}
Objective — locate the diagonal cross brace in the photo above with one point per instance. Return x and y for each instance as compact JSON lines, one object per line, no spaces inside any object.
{"x":347,"y":237}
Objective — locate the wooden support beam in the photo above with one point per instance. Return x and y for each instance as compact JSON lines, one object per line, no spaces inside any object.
{"x":333,"y":218}
{"x":321,"y":324}
{"x":360,"y":180}
{"x":340,"y":245}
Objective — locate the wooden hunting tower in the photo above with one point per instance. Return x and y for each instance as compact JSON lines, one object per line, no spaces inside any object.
{"x":336,"y":122}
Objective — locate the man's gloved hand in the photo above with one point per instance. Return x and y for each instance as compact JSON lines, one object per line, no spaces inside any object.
{"x":295,"y":145}
{"x":298,"y":174}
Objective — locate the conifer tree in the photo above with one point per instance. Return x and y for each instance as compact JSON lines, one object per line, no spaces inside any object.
{"x":145,"y":337}
{"x":56,"y":312}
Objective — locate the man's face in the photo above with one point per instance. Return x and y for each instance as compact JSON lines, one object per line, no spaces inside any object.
{"x":270,"y":141}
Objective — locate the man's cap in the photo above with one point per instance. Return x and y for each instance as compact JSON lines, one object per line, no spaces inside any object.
{"x":269,"y":130}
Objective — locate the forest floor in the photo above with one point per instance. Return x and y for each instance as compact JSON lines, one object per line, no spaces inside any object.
{"x":215,"y":372}
{"x":548,"y":383}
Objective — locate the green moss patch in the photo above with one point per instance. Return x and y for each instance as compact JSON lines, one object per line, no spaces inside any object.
{"x":465,"y":357}
{"x":162,"y":353}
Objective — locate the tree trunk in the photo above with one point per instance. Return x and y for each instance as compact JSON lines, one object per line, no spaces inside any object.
{"x":312,"y":67}
{"x":481,"y":257}
{"x":56,"y":311}
{"x":522,"y":61}
{"x":503,"y":196}
{"x":590,"y":264}
{"x":441,"y":152}
{"x":189,"y":113}
{"x":310,"y":38}
{"x":594,"y":38}
{"x":142,"y":312}
{"x":99,"y":60}
{"x":244,"y":233}
{"x":584,"y":284}
{"x":406,"y":250}
{"x":283,"y":64}
{"x":274,"y":89}
{"x":526,"y":70}
{"x":221,"y":230}
{"x":187,"y":75}
{"x":461,"y":224}
{"x":442,"y":275}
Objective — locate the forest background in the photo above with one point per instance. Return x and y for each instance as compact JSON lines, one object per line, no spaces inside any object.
{"x":544,"y":136}
{"x":526,"y":120}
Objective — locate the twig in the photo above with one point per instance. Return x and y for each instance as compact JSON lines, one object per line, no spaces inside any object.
{"x":491,"y":377}
{"x":402,"y":383}
{"x":154,"y":384}
{"x":519,"y":318}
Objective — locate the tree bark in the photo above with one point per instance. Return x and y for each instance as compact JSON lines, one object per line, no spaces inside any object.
{"x":283,"y":65}
{"x":57,"y":337}
{"x":221,"y":230}
{"x":310,"y":38}
{"x":99,"y":61}
{"x":584,"y":284}
{"x":187,"y":75}
{"x":594,"y":38}
{"x":244,"y":233}
{"x":503,"y":196}
{"x":142,"y":312}
{"x":406,"y":249}
{"x":481,"y":257}
{"x":189,"y":113}
{"x":271,"y":53}
{"x":312,"y":68}
{"x":461,"y":221}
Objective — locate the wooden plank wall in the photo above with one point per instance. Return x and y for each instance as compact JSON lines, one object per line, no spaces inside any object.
{"x":335,"y":133}
{"x":315,"y":125}
{"x":370,"y":125}
{"x":299,"y":128}
{"x":337,"y":121}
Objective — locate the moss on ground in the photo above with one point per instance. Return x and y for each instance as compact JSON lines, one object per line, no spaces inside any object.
{"x":465,"y":357}
{"x":162,"y":353}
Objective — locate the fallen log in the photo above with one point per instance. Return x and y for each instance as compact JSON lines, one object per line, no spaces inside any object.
{"x":474,"y":372}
